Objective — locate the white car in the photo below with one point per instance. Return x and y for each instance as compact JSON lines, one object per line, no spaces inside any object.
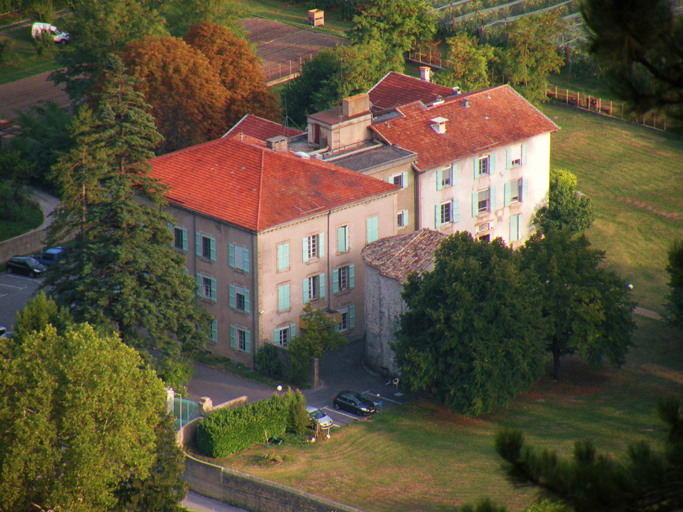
{"x":318,"y":416}
{"x":57,"y":35}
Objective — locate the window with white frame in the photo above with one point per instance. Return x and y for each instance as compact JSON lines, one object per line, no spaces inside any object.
{"x":313,"y":247}
{"x":399,"y":179}
{"x":515,"y":191}
{"x":484,"y":165}
{"x":180,"y":238}
{"x":342,"y":239}
{"x":240,"y":339}
{"x":446,"y":212}
{"x":205,"y":246}
{"x":283,"y":257}
{"x":483,"y":201}
{"x":346,"y":319}
{"x":239,"y":298}
{"x":402,"y":219}
{"x":343,"y":279}
{"x":445,"y":177}
{"x":314,"y":288}
{"x":238,"y":257}
{"x":206,"y":287}
{"x":283,"y":335}
{"x":515,"y":156}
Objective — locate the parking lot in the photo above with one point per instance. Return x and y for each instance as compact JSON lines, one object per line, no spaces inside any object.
{"x":15,"y":291}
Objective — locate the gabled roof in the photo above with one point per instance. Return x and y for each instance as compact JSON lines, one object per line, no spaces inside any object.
{"x":260,"y":128}
{"x":396,"y":89}
{"x":476,"y":123}
{"x":258,"y":188}
{"x":398,"y":256}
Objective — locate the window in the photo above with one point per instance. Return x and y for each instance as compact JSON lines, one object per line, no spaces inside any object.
{"x":283,"y":297}
{"x":448,"y":212}
{"x":515,"y":156}
{"x":238,"y":257}
{"x":314,"y":288}
{"x":240,"y":339}
{"x":402,"y":219}
{"x":239,"y":298}
{"x":347,"y":319}
{"x":283,"y":257}
{"x":282,"y":335}
{"x":344,"y":278}
{"x":399,"y":179}
{"x":445,"y":212}
{"x":206,"y":287}
{"x":313,"y":246}
{"x":343,"y":239}
{"x":205,"y":246}
{"x":180,"y":238}
{"x":372,"y":227}
{"x":214,"y":330}
{"x":515,"y":191}
{"x":446,"y":177}
{"x":515,"y":223}
{"x":484,"y":166}
{"x":483,"y":201}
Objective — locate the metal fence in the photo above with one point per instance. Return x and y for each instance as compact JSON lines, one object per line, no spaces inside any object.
{"x":184,"y":410}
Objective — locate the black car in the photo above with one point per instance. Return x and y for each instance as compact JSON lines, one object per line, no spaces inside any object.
{"x":353,"y":402}
{"x":25,"y":265}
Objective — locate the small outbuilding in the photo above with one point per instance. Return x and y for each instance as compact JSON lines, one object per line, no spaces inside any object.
{"x":316,"y":18}
{"x":388,"y":263}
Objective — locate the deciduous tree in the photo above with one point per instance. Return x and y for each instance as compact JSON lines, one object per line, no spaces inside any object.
{"x":467,"y":64}
{"x":587,"y":306}
{"x":674,"y":299}
{"x":567,"y":208}
{"x":40,"y":312}
{"x":472,"y":333}
{"x":121,"y":271}
{"x":78,"y":413}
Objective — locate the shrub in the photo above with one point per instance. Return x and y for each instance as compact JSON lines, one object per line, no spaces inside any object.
{"x":299,"y":420}
{"x":43,"y":42}
{"x":268,"y":361}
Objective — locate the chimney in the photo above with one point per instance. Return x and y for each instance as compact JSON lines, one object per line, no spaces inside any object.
{"x":426,"y":73}
{"x":355,"y":105}
{"x":278,"y":143}
{"x":439,"y":124}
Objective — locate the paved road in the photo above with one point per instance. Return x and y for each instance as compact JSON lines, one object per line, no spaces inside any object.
{"x":198,"y":503}
{"x":15,"y":291}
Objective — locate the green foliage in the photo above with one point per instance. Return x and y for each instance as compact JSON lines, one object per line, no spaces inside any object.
{"x":6,"y":46}
{"x":43,"y":43}
{"x":228,"y":431}
{"x":674,"y":299}
{"x":299,"y":420}
{"x":17,"y":219}
{"x":40,"y":312}
{"x":16,"y":172}
{"x":467,"y":64}
{"x":78,"y":413}
{"x":645,"y":481}
{"x":40,"y":10}
{"x":567,"y":208}
{"x":180,"y":16}
{"x":93,"y":38}
{"x":639,"y":46}
{"x":587,"y":306}
{"x":318,"y":336}
{"x":268,"y":361}
{"x":531,"y":54}
{"x":473,"y":333}
{"x":121,"y":272}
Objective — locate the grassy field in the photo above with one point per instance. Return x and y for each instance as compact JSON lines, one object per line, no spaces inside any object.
{"x":295,"y":13}
{"x":632,"y":175}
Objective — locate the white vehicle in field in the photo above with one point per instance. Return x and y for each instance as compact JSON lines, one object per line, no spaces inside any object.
{"x":57,"y":35}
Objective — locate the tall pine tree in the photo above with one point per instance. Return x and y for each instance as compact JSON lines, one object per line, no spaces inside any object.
{"x":121,"y":271}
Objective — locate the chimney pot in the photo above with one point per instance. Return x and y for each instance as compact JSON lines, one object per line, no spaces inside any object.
{"x":425,"y":73}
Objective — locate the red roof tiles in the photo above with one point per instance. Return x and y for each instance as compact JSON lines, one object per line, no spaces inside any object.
{"x":493,"y":117}
{"x":258,"y":188}
{"x":396,"y":89}
{"x":260,"y":128}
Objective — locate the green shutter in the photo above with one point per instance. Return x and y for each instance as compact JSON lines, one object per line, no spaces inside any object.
{"x":246,"y":300}
{"x":352,"y":316}
{"x":341,"y":245}
{"x":283,"y":297}
{"x":321,"y":245}
{"x":492,"y":164}
{"x":476,"y":168}
{"x":322,"y":286}
{"x":455,"y":209}
{"x":305,"y":288}
{"x":492,"y":198}
{"x":514,"y":228}
{"x":405,"y":217}
{"x":231,"y":302}
{"x":198,"y":244}
{"x":508,"y":159}
{"x":231,"y":255}
{"x":213,"y":248}
{"x":437,"y":216}
{"x":304,"y":249}
{"x":372,"y":229}
{"x":439,"y":179}
{"x":292,"y":331}
{"x":245,"y":263}
{"x":276,"y":336}
{"x":283,"y":256}
{"x":454,"y":174}
{"x":368,"y":230}
{"x":475,"y":206}
{"x":352,"y":276}
{"x":214,"y":330}
{"x":199,"y":285}
{"x":214,"y":296}
{"x":185,"y":244}
{"x":232,"y":336}
{"x":524,"y":185}
{"x":404,"y":180}
{"x":247,"y":342}
{"x":335,"y":281}
{"x":506,"y":193}
{"x":390,"y":179}
{"x":524,"y":154}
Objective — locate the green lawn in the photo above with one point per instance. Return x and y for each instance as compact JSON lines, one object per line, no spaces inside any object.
{"x":31,"y":218}
{"x":293,"y":13}
{"x":21,"y":59}
{"x":632,"y":175}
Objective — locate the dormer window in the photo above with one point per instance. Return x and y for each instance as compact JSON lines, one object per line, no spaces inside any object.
{"x":439,"y":124}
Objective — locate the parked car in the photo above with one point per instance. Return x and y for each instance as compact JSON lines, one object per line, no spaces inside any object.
{"x":57,"y":35}
{"x":319,"y":417}
{"x":354,"y":402}
{"x":50,"y":256}
{"x":25,"y":265}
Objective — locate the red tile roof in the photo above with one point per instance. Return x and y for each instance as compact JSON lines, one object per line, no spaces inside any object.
{"x":398,"y":256}
{"x":258,"y":188}
{"x":260,"y":128}
{"x":494,"y":117}
{"x":396,"y":89}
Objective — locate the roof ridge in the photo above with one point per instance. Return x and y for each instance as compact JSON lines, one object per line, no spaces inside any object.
{"x":413,"y":236}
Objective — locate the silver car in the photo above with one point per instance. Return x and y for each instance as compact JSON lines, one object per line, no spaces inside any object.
{"x":318,"y":416}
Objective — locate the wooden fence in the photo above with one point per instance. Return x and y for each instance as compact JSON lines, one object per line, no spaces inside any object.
{"x":604,"y":107}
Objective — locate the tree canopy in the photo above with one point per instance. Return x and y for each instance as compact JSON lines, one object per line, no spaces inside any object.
{"x":567,"y":208}
{"x":180,"y":16}
{"x":472,"y":333}
{"x":674,"y":299}
{"x":78,"y":412}
{"x":639,"y":46}
{"x":467,"y":64}
{"x":120,"y":271}
{"x":587,"y":306}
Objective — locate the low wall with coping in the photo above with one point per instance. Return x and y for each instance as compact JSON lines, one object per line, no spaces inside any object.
{"x":22,"y":244}
{"x":251,"y":492}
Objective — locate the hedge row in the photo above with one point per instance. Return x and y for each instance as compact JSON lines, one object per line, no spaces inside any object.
{"x":228,"y":431}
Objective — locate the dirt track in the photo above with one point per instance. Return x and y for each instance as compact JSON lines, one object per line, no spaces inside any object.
{"x":22,"y":94}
